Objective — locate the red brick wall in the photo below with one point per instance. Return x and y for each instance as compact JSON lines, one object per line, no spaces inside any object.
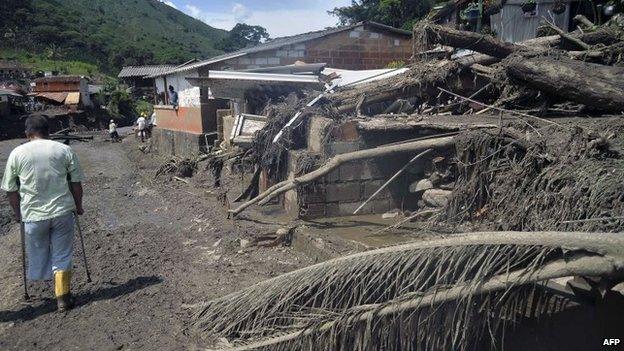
{"x":57,"y":86}
{"x":355,"y":49}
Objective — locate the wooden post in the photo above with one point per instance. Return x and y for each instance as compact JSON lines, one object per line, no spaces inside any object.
{"x":166,"y":91}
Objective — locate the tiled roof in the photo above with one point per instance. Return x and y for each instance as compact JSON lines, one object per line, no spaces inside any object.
{"x":283,"y":41}
{"x":143,"y":71}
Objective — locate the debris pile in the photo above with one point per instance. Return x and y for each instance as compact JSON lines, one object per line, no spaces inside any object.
{"x":502,"y":119}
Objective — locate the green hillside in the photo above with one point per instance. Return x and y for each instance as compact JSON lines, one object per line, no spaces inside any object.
{"x":107,"y":33}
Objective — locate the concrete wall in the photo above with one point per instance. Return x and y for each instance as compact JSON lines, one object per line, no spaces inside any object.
{"x":339,"y":193}
{"x":343,"y":190}
{"x":85,"y":97}
{"x":170,"y":142}
{"x":185,"y":119}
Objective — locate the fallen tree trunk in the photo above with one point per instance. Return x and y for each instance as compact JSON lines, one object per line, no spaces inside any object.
{"x":336,"y":161}
{"x":497,"y":49}
{"x":423,"y":82}
{"x":598,"y":86}
{"x":485,"y":44}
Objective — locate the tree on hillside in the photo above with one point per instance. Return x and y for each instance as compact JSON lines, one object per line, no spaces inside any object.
{"x":242,"y":36}
{"x":13,"y":13}
{"x":395,"y":13}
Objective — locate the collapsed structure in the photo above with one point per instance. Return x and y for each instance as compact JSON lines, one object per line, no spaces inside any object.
{"x":193,"y":127}
{"x":491,"y":101}
{"x":489,"y":140}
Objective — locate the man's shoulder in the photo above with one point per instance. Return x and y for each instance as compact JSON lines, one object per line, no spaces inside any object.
{"x":55,"y":146}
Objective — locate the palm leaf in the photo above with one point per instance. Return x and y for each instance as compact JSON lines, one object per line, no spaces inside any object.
{"x":453,"y":293}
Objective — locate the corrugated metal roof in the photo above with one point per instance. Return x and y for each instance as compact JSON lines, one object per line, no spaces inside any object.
{"x":283,"y":41}
{"x":143,"y":71}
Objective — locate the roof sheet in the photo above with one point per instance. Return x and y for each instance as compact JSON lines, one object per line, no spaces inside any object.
{"x":58,"y":97}
{"x":143,"y":71}
{"x":283,"y":41}
{"x":72,"y":99}
{"x":10,"y":93}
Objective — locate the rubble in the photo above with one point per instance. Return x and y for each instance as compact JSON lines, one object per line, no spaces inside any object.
{"x":492,"y":119}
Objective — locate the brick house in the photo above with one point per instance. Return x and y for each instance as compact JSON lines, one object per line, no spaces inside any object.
{"x":362,"y":46}
{"x":67,"y":90}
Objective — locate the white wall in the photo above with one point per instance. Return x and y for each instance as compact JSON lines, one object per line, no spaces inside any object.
{"x":160,"y":85}
{"x":188,"y":95}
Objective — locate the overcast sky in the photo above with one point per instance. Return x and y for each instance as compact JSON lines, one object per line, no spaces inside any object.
{"x":279,"y":17}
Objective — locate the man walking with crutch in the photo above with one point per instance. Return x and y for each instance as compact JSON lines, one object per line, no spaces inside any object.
{"x":43,"y":180}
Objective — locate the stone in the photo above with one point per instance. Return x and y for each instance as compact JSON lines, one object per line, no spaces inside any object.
{"x":282,"y":232}
{"x":436,"y":197}
{"x":391,"y":214}
{"x":421,"y":185}
{"x":244,"y":243}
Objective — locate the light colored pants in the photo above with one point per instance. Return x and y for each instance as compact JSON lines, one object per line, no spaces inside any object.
{"x":49,"y":246}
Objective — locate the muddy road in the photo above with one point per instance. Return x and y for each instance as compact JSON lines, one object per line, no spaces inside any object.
{"x":154,"y":247}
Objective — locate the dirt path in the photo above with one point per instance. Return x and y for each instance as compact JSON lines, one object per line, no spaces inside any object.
{"x":152,"y":249}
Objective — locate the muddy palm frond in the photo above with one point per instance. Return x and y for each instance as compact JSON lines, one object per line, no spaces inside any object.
{"x":443,"y":294}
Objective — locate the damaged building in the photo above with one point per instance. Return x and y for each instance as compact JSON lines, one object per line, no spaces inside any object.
{"x":68,"y":90}
{"x":193,"y":127}
{"x":140,"y":80}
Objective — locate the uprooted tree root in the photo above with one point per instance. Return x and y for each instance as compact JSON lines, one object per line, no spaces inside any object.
{"x":564,"y":180}
{"x":182,"y":167}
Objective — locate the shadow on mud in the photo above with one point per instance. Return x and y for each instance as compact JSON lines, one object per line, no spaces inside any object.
{"x":46,"y":306}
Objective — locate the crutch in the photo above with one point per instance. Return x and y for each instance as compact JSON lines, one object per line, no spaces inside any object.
{"x":23,"y":239}
{"x":84,"y":254}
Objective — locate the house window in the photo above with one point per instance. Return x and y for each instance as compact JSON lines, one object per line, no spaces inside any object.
{"x":375,"y":36}
{"x":354,"y":34}
{"x":397,"y":42}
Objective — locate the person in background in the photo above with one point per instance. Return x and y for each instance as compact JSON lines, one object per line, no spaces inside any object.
{"x":112,"y":130}
{"x":151,"y":123}
{"x":173,"y":97}
{"x":43,"y":181}
{"x":142,"y":124}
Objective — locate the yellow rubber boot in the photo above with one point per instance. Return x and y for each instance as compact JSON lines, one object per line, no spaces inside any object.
{"x":64,"y":300}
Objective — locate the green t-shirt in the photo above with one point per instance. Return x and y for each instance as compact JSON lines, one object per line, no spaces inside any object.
{"x":42,"y":168}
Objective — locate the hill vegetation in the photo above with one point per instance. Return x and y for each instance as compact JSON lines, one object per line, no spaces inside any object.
{"x":106,"y":33}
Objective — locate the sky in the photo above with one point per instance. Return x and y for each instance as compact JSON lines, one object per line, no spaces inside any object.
{"x":279,"y":17}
